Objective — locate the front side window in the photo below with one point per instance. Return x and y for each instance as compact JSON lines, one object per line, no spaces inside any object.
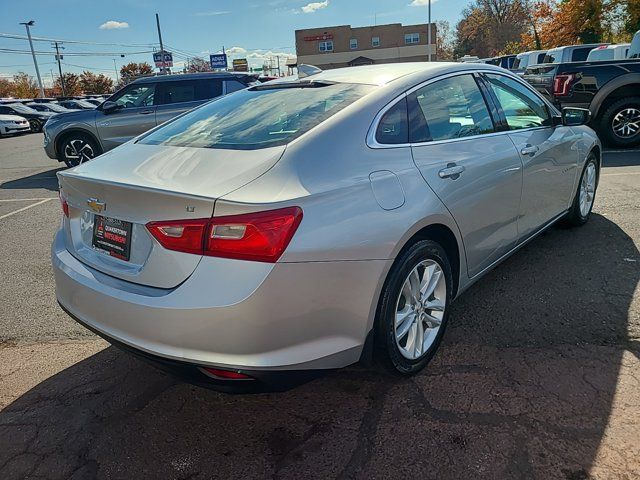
{"x":448,"y":109}
{"x":521,"y":107}
{"x":393,"y":127}
{"x":326,"y":46}
{"x":375,"y":41}
{"x":135,"y":96}
{"x":411,"y":38}
{"x":353,"y":43}
{"x":258,"y":117}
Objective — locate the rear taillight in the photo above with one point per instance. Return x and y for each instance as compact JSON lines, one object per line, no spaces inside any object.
{"x":63,"y":204}
{"x":562,"y":84}
{"x":260,"y":236}
{"x":221,"y":374}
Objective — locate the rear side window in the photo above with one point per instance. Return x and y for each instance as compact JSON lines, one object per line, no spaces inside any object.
{"x":182,"y":91}
{"x":258,"y":117}
{"x":540,"y":58}
{"x":448,"y":109}
{"x":234,"y":85}
{"x":580,"y":54}
{"x":393,"y":128}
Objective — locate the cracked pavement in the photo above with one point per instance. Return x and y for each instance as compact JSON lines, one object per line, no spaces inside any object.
{"x":538,"y":375}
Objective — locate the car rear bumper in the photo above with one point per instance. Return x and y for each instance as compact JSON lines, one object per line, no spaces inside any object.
{"x":289,"y":316}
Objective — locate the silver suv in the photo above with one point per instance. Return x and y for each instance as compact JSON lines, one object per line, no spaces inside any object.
{"x":76,"y":137}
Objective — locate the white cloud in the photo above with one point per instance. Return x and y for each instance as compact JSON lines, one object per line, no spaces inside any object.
{"x":236,"y":51}
{"x":211,"y":14}
{"x":421,"y":3}
{"x":315,"y":6}
{"x":111,"y":24}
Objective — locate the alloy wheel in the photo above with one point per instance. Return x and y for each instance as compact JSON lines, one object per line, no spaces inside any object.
{"x":587,"y":189}
{"x":34,"y":126}
{"x":626,"y":123}
{"x":420,"y":309}
{"x":77,"y":151}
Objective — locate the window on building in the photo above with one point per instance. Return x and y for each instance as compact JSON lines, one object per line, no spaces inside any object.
{"x":325,"y":46}
{"x":375,"y":41}
{"x":411,"y":38}
{"x":353,"y":43}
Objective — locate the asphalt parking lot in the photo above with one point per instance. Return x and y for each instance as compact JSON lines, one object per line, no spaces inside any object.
{"x":538,"y":375}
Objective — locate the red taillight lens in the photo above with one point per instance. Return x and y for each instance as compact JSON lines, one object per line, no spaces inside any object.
{"x":180,"y":235}
{"x":63,"y":204}
{"x":260,"y":236}
{"x":562,"y":84}
{"x":225,"y":374}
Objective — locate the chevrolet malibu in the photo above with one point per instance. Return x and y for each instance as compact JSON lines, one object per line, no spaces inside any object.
{"x":311,"y":222}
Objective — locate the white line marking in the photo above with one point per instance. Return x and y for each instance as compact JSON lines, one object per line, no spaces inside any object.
{"x":619,"y":174}
{"x":26,"y":208}
{"x":25,"y":199}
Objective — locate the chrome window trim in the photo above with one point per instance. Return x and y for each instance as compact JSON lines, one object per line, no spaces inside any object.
{"x":371,"y":133}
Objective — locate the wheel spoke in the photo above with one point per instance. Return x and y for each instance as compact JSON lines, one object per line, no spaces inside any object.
{"x":435,"y":305}
{"x":404,"y":320}
{"x":419,"y":342}
{"x":435,"y":275}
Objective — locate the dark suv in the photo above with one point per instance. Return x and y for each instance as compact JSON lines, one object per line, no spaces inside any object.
{"x":76,"y":137}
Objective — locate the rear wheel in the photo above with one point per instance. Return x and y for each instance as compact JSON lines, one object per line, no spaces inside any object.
{"x":413,"y":310}
{"x":77,"y":148}
{"x":620,"y":123}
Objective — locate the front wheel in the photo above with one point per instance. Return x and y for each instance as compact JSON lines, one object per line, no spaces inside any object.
{"x":413,"y":310}
{"x":78,"y":148}
{"x":35,"y":125}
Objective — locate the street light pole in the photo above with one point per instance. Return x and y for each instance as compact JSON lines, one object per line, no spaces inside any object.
{"x":162,"y":68}
{"x":429,"y":31}
{"x":33,"y":54}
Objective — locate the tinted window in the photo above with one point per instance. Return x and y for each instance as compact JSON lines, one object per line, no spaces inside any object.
{"x":449,"y":108}
{"x":181,"y":91}
{"x":135,"y":96}
{"x":580,"y":54}
{"x":540,"y":58}
{"x":259,"y":117}
{"x":521,"y":107}
{"x":393,"y":127}
{"x":553,"y":56}
{"x":4,"y":109}
{"x":234,"y":85}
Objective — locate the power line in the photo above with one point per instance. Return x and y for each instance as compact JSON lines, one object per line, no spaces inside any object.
{"x":82,"y":42}
{"x":74,"y":54}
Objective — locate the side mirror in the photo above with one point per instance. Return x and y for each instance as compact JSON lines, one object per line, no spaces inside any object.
{"x":573,"y":117}
{"x":109,"y":107}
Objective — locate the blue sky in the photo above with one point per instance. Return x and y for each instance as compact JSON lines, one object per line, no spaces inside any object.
{"x":247,"y":28}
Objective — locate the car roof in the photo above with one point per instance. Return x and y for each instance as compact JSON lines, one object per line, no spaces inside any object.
{"x":383,"y":74}
{"x":191,"y":76}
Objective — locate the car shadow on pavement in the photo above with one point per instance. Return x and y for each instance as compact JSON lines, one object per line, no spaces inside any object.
{"x":46,"y":180}
{"x":522,"y":387}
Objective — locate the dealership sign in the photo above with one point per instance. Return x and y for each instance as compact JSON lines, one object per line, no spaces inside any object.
{"x":163,"y":59}
{"x":218,"y":60}
{"x":326,"y":36}
{"x":240,"y":65}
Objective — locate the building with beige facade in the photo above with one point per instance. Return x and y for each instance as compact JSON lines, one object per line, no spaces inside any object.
{"x":344,"y":46}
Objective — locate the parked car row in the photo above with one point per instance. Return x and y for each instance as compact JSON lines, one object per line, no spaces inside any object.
{"x":603,"y":78}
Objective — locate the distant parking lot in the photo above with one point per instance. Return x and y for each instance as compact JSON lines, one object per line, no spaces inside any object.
{"x":538,"y":375}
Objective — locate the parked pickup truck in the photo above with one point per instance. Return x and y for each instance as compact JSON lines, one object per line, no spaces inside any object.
{"x":609,"y":89}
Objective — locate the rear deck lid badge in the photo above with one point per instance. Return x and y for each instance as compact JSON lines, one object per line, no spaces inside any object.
{"x":96,"y":205}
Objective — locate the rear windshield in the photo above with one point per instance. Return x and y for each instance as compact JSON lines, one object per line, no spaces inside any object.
{"x":259,"y":117}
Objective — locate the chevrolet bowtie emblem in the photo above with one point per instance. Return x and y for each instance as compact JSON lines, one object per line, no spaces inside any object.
{"x":96,"y":205}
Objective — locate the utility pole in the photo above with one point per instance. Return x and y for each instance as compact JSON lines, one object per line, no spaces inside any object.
{"x":28,"y":24}
{"x":59,"y":66}
{"x":278,"y":57}
{"x":429,"y":31}
{"x":115,"y":69}
{"x":162,"y":69}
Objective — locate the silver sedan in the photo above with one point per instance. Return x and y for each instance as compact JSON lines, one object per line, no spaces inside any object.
{"x":310,"y":222}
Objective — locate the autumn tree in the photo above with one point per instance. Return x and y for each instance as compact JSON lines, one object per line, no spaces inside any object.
{"x":131,"y":71}
{"x":24,"y":86}
{"x":92,"y":83}
{"x":6,"y":87}
{"x":69,"y":85}
{"x":197,"y":64}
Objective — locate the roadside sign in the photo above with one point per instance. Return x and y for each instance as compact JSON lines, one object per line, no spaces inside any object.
{"x":163,"y":59}
{"x":219,"y":60}
{"x":240,"y":65}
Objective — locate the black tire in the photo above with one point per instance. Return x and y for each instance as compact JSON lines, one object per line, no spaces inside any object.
{"x":76,"y":148}
{"x":35,"y":125}
{"x":575,"y":217}
{"x":614,"y":114}
{"x":387,"y":350}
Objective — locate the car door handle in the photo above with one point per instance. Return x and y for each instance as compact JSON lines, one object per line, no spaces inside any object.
{"x":529,"y":150}
{"x":452,"y":171}
{"x":146,"y":112}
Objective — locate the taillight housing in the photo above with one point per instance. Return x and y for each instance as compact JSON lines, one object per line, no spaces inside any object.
{"x":260,"y":236}
{"x":63,"y":204}
{"x":562,"y":84}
